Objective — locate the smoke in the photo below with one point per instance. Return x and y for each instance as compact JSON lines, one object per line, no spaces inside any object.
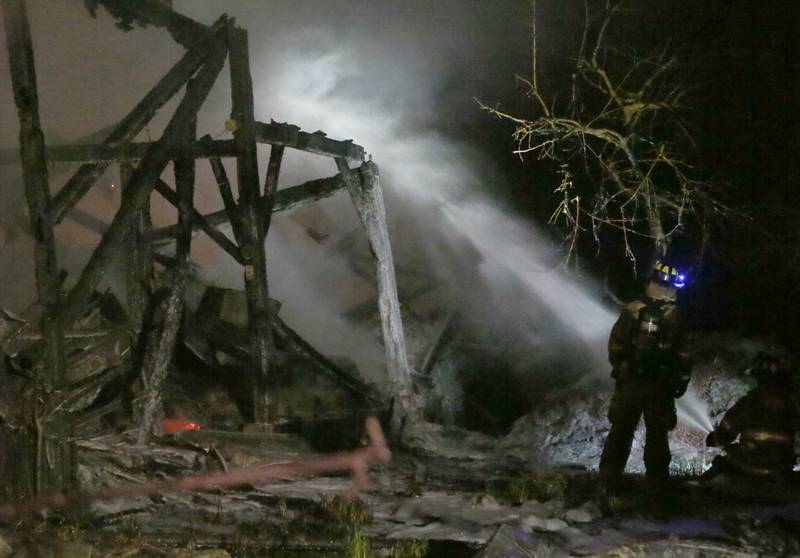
{"x":397,"y":78}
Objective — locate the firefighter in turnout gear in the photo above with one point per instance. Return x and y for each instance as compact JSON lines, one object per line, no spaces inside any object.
{"x":765,"y":421}
{"x":648,"y":351}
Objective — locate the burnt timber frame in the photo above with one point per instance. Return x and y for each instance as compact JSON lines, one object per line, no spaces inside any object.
{"x":141,"y":166}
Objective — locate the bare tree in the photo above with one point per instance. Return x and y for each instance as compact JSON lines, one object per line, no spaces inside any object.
{"x":620,"y":137}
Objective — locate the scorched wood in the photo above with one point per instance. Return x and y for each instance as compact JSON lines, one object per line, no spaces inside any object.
{"x":253,"y":232}
{"x":142,"y":181}
{"x":77,"y":186}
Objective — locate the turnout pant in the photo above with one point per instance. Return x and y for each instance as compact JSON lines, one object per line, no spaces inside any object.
{"x":634,"y":396}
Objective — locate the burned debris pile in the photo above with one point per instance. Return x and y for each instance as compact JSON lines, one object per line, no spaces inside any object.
{"x":86,"y":363}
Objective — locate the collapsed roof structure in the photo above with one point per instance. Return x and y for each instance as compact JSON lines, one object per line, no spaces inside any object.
{"x":156,"y":283}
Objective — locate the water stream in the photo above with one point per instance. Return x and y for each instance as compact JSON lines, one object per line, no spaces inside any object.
{"x":441,"y":183}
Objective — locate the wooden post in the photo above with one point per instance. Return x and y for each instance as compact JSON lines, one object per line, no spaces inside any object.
{"x":160,"y":349}
{"x":368,"y":199}
{"x":138,"y":262}
{"x":142,"y":181}
{"x":53,"y":467}
{"x":77,"y":186}
{"x":253,"y":233}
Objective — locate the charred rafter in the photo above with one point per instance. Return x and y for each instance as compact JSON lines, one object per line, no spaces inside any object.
{"x":288,"y":135}
{"x":286,"y":199}
{"x":131,"y":125}
{"x":103,"y":155}
{"x":142,"y":181}
{"x":200,"y":222}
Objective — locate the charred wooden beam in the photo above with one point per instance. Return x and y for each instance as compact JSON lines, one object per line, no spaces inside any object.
{"x":138,"y":267}
{"x":253,"y":232}
{"x":231,"y":209}
{"x":198,"y":221}
{"x":77,"y":186}
{"x":368,"y":199}
{"x":159,"y":350}
{"x":309,"y":192}
{"x":142,"y":181}
{"x":291,"y":342}
{"x":103,"y":155}
{"x":271,"y":184}
{"x":160,"y":346}
{"x":286,"y":199}
{"x":184,"y":186}
{"x":183,"y":29}
{"x":288,"y":135}
{"x":443,"y":339}
{"x":51,"y":432}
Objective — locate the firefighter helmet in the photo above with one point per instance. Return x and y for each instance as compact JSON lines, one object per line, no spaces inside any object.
{"x":669,"y":275}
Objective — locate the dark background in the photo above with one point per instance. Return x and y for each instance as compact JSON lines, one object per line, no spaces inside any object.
{"x":741,"y":59}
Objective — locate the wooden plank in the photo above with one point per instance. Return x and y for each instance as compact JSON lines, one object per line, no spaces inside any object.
{"x":367,"y":197}
{"x":52,"y":431}
{"x":289,"y":135}
{"x":103,"y":155}
{"x":253,"y":232}
{"x":77,"y":186}
{"x":198,"y":221}
{"x":142,"y":181}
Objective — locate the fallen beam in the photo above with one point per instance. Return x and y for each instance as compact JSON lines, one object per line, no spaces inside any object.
{"x":103,"y":154}
{"x":288,"y":198}
{"x":291,"y":342}
{"x":289,"y":135}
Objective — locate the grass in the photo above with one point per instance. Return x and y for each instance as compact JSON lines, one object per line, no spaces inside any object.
{"x":358,"y":545}
{"x":533,"y":486}
{"x":351,"y":512}
{"x":411,"y":548}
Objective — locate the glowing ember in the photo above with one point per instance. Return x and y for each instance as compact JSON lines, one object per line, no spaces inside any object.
{"x":172,"y":425}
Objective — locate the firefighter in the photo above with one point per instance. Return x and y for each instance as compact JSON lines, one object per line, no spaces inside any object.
{"x":765,"y":420}
{"x":648,"y":352}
